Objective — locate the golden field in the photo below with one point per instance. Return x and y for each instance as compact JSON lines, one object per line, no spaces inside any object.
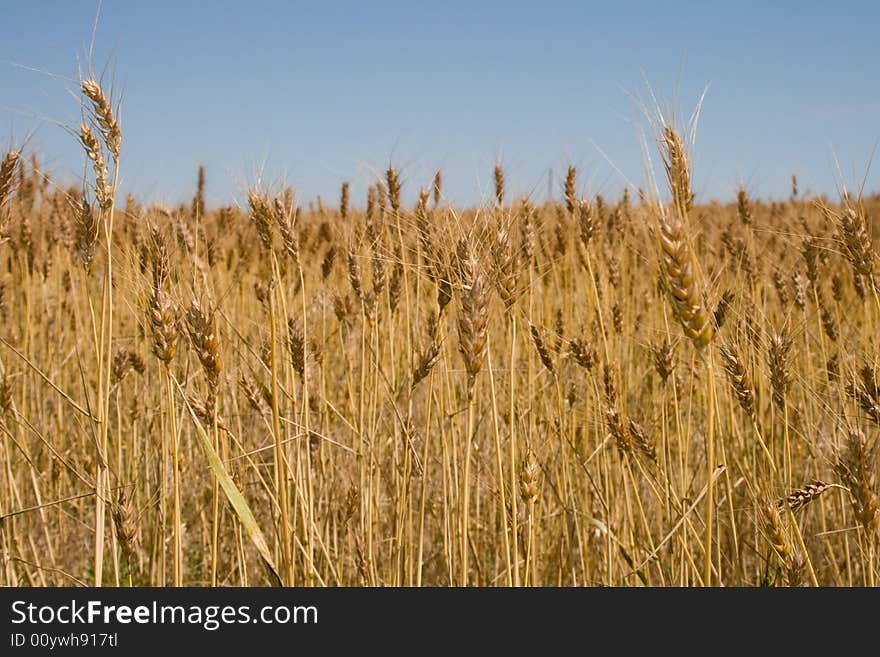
{"x":641,"y":391}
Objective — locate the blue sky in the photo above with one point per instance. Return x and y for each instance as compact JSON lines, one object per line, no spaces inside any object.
{"x":317,"y":93}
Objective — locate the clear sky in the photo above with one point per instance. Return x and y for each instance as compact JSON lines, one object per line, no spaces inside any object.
{"x":317,"y":93}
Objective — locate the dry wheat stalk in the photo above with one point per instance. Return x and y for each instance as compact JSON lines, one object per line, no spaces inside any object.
{"x":722,"y":309}
{"x":437,"y":187}
{"x":7,"y":174}
{"x":505,"y":268}
{"x":102,"y":111}
{"x":354,"y":275}
{"x":343,"y":201}
{"x":739,"y":378}
{"x":103,"y":189}
{"x":393,"y":189}
{"x":801,"y":497}
{"x":675,"y":163}
{"x":866,"y":391}
{"x":681,"y":285}
{"x":198,"y":206}
{"x":297,"y":346}
{"x":529,"y":478}
{"x":856,"y":238}
{"x":284,"y":215}
{"x":857,"y":467}
{"x":664,"y":359}
{"x":163,"y":318}
{"x":124,"y":361}
{"x":829,"y":323}
{"x":609,"y":387}
{"x":743,"y":208}
{"x":586,"y":223}
{"x":473,"y":312}
{"x":810,"y":253}
{"x":776,"y":534}
{"x":87,"y":229}
{"x":582,"y":353}
{"x":261,"y":215}
{"x":253,"y":394}
{"x":677,"y":260}
{"x":642,"y":441}
{"x":125,"y":521}
{"x":499,"y":184}
{"x":799,"y":285}
{"x":202,"y":331}
{"x":571,"y":202}
{"x":395,"y":281}
{"x":425,"y":363}
{"x":778,"y":356}
{"x":541,"y":347}
{"x":619,"y":431}
{"x":781,"y":285}
{"x":328,"y":262}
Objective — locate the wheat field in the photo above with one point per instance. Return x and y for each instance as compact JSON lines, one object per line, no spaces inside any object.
{"x":651,"y":390}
